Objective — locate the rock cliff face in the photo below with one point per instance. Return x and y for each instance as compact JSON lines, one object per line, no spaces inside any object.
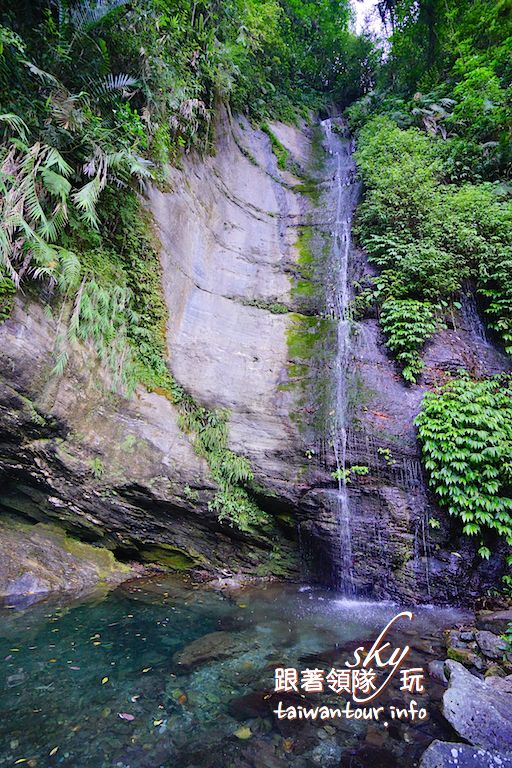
{"x":242,"y":254}
{"x":121,"y":471}
{"x":395,"y":551}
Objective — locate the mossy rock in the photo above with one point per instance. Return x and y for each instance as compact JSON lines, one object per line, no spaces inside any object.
{"x":171,"y":556}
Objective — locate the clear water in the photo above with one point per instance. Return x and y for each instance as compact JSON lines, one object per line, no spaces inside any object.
{"x":55,"y":658}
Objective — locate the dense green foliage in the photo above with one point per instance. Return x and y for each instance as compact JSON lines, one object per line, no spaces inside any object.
{"x":434,"y":139}
{"x":435,"y":154}
{"x":407,"y":325}
{"x":465,"y":429}
{"x":98,"y":93}
{"x":429,"y":237}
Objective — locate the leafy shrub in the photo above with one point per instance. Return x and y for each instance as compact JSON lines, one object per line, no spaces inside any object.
{"x":428,"y":237}
{"x":408,"y":324}
{"x":465,"y":430}
{"x":508,"y":637}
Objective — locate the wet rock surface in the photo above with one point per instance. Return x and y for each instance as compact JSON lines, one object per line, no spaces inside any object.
{"x":394,"y":551}
{"x":481,"y":651}
{"x":447,"y":755}
{"x":477,"y":713}
{"x":494,"y":621}
{"x":121,"y":472}
{"x":491,"y":646}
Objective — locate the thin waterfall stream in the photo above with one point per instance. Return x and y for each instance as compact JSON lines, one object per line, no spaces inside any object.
{"x":343,"y":194}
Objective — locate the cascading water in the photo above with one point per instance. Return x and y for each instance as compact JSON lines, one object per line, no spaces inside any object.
{"x":343,"y":195}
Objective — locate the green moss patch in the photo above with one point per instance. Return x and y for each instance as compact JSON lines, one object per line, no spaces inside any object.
{"x":172,"y":557}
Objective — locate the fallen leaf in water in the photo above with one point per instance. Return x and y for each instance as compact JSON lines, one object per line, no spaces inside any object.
{"x":126,"y":716}
{"x":242,"y":605}
{"x":104,"y":680}
{"x":147,"y":669}
{"x":287,"y":745}
{"x":182,"y":699}
{"x":54,"y":751}
{"x":243,"y":733}
{"x":52,"y":661}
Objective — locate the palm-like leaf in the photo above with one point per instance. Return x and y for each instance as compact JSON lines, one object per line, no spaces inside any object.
{"x":16,"y":123}
{"x":86,"y":14}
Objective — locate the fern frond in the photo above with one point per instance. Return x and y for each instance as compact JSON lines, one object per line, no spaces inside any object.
{"x":86,"y":14}
{"x":86,"y":198}
{"x":56,"y":184}
{"x":68,"y":270}
{"x":54,"y":158}
{"x":119,"y":82}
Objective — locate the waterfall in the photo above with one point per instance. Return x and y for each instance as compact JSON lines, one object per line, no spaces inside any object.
{"x":342,"y":193}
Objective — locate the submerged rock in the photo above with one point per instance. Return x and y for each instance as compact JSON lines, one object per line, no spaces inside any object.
{"x":444,"y":754}
{"x":476,"y":712}
{"x":211,"y":647}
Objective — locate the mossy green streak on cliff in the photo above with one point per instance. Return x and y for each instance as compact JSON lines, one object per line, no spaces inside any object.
{"x":281,"y":153}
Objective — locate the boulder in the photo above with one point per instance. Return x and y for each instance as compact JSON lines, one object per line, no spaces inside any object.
{"x":476,"y":712}
{"x":443,"y":754}
{"x":491,"y":645}
{"x":494,"y":621}
{"x":38,"y":559}
{"x":466,"y":657}
{"x":500,"y":683}
{"x":436,"y":671}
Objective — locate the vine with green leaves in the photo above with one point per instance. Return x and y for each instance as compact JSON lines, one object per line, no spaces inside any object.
{"x":465,"y":431}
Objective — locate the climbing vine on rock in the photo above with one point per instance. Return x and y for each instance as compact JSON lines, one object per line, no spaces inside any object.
{"x":408,"y":324}
{"x":465,"y":430}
